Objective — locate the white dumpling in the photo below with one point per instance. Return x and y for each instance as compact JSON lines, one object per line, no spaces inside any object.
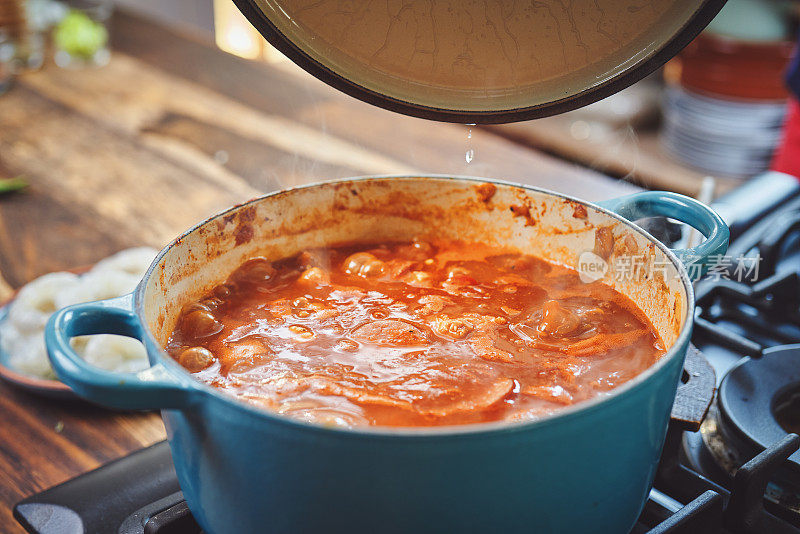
{"x":36,"y":301}
{"x":9,"y":337}
{"x":29,"y":356}
{"x":79,"y":344}
{"x":22,"y":333}
{"x":115,"y":353}
{"x":97,"y":285}
{"x":133,"y":261}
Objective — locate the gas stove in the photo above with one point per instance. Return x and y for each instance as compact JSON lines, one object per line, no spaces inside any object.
{"x":730,"y":466}
{"x":747,"y":325}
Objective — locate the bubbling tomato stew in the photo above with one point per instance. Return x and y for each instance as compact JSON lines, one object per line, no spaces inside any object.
{"x":412,"y":334}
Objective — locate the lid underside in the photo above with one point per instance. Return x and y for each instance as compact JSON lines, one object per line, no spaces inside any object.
{"x":477,"y":61}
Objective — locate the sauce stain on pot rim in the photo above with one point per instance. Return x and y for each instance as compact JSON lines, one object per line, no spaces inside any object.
{"x":389,"y":182}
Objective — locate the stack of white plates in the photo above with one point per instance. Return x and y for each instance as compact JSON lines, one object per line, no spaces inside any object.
{"x":725,"y":137}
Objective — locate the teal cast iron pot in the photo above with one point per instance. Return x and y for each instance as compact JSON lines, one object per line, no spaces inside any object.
{"x":586,"y":468}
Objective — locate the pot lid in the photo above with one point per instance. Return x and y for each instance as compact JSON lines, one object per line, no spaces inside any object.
{"x":475,"y":61}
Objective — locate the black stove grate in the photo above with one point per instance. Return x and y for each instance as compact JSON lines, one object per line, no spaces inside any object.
{"x":749,"y":318}
{"x":737,"y":510}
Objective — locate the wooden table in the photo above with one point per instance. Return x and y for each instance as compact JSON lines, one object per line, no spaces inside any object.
{"x":171,"y":131}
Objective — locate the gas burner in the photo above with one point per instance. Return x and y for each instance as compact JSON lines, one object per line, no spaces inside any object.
{"x":757,"y":406}
{"x":756,"y":396}
{"x":712,"y":463}
{"x":745,"y":500}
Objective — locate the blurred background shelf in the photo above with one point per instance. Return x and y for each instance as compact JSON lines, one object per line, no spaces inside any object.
{"x":618,"y":136}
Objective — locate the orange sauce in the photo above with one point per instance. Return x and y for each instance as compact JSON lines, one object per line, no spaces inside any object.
{"x":412,"y":334}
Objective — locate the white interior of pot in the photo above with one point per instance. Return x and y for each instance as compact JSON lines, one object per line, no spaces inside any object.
{"x":391,"y":209}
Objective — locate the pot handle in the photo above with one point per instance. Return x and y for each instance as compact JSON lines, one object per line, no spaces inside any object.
{"x":685,"y":209}
{"x":149,"y":389}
